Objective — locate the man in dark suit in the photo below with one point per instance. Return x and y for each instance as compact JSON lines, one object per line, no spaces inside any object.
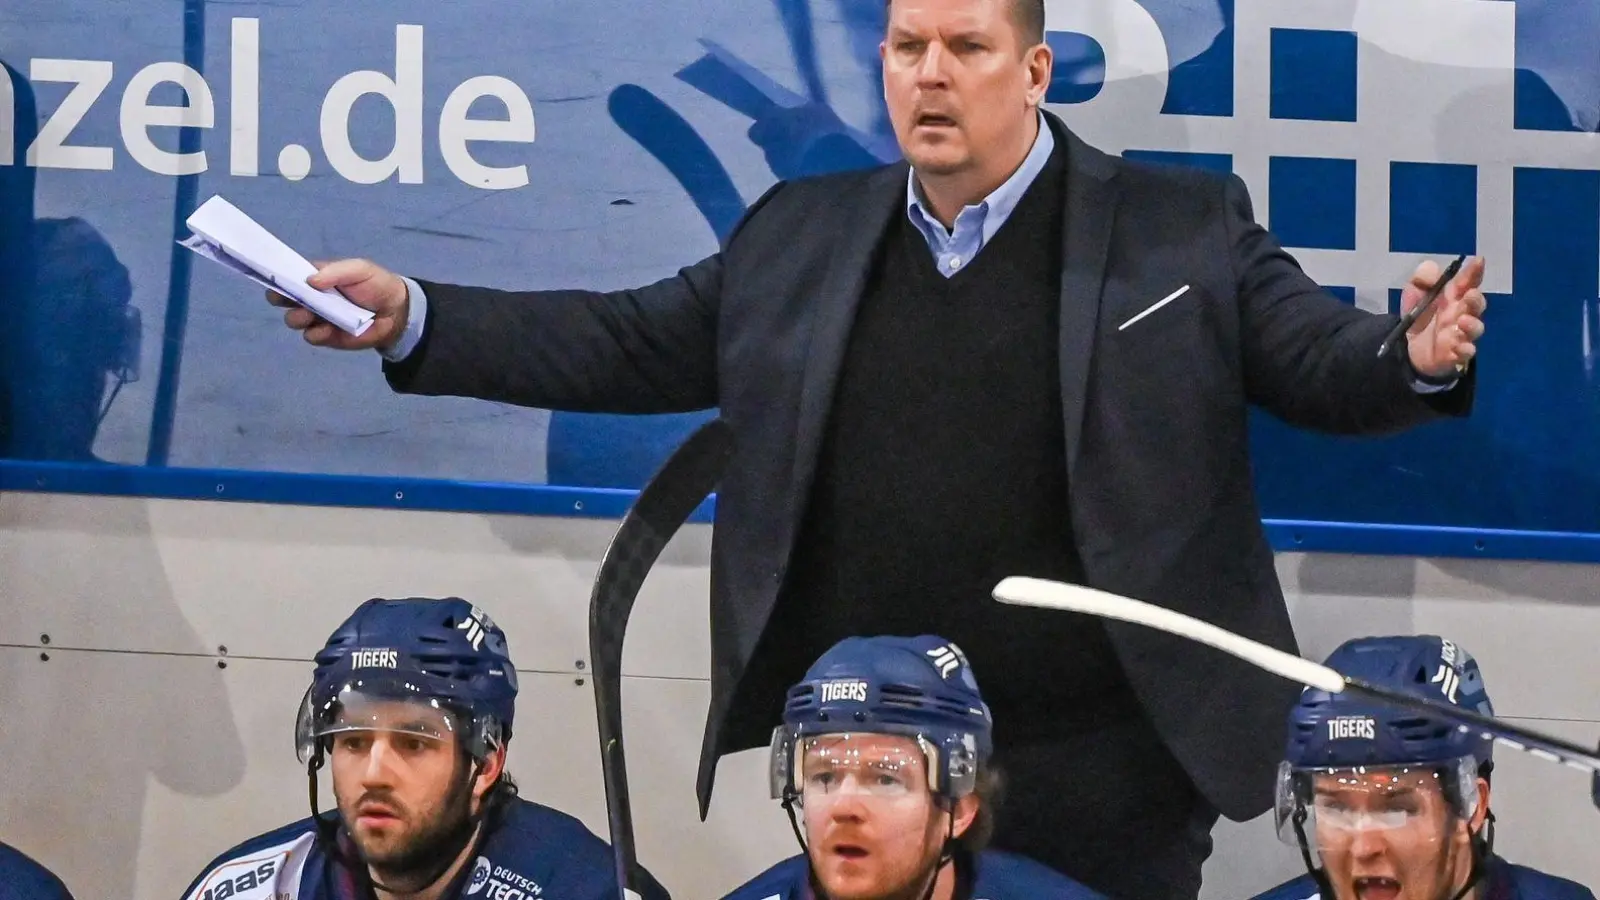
{"x":1015,"y":355}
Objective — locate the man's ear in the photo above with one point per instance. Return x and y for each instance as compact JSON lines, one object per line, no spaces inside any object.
{"x":964,"y":814}
{"x":1041,"y":60}
{"x":1481,"y":814}
{"x":493,"y":765}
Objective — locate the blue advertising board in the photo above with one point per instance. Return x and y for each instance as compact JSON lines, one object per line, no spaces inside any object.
{"x":605,"y":144}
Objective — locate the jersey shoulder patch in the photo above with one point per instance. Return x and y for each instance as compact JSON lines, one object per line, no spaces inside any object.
{"x":1003,"y":876}
{"x":267,"y":867}
{"x":781,"y":882}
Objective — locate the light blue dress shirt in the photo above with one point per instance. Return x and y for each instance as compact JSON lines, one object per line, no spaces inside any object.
{"x":416,"y":317}
{"x":954,"y":249}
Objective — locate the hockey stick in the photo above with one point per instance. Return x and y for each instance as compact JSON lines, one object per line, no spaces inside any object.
{"x":1038,"y":592}
{"x":671,"y":496}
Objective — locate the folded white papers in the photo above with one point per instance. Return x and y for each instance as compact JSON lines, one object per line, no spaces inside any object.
{"x":225,"y":234}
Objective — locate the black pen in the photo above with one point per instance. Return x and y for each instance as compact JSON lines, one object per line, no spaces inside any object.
{"x":1407,"y":320}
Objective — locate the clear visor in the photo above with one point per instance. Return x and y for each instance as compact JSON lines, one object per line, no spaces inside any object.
{"x":876,"y":767}
{"x":1333,"y":806}
{"x":393,"y":708}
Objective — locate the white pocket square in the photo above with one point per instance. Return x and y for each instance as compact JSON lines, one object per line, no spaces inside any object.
{"x":1155,"y":306}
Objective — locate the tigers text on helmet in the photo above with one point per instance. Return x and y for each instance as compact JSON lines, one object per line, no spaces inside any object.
{"x":920,"y":687}
{"x":445,"y":654}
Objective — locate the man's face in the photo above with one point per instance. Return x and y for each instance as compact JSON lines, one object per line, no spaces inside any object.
{"x":872,"y":828}
{"x":959,"y":84}
{"x":398,"y":781}
{"x":1390,"y":835}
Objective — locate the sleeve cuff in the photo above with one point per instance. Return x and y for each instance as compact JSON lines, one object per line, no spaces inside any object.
{"x":416,"y":319}
{"x":1424,"y":384}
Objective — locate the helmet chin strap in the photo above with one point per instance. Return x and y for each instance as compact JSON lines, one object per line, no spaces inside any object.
{"x":947,"y":855}
{"x":1320,"y":876}
{"x":434,"y":864}
{"x":1480,"y":847}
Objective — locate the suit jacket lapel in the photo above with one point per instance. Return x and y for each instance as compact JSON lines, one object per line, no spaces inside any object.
{"x":1091,"y":204}
{"x":859,"y":221}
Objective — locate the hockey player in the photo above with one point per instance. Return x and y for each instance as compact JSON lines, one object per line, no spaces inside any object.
{"x":410,"y":708}
{"x":1389,"y":804}
{"x":23,"y":878}
{"x":885,"y":748}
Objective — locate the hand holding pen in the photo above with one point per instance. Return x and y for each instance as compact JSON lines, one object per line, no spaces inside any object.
{"x":1441,"y":317}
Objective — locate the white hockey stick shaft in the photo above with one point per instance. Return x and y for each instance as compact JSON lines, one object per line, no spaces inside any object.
{"x":1077,"y":598}
{"x":1039,"y":592}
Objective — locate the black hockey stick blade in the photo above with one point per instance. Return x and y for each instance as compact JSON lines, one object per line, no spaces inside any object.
{"x":673,"y":493}
{"x":1077,"y":598}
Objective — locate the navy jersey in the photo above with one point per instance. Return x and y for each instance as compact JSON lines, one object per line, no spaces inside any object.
{"x":23,"y":879}
{"x":995,"y":876}
{"x":532,"y":851}
{"x":1504,"y":881}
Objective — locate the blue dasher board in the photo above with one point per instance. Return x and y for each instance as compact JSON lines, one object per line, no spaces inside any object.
{"x":604,"y":144}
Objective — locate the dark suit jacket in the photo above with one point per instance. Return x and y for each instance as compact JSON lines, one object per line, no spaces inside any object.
{"x":1156,"y":426}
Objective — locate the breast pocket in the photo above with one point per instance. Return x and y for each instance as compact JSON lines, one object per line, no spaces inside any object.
{"x":1150,"y":316}
{"x":1160,"y":332}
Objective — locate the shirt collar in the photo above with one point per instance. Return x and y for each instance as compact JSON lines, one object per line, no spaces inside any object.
{"x":996,"y":207}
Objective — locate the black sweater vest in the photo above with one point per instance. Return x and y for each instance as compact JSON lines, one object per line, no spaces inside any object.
{"x":943,"y":469}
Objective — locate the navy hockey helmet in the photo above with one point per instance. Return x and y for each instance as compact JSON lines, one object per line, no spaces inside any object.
{"x":1424,"y":666}
{"x":1340,"y":732}
{"x":921,"y":687}
{"x":443,"y":653}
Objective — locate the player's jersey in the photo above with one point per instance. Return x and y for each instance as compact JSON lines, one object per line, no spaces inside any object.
{"x":23,"y":879}
{"x":532,"y":852}
{"x":996,"y":876}
{"x":1505,"y":882}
